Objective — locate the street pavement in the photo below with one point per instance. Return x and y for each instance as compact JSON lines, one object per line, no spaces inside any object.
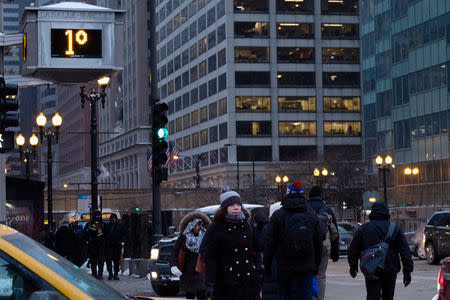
{"x":340,"y":285}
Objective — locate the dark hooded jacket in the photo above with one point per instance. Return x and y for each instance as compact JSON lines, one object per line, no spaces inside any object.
{"x":317,"y":204}
{"x":191,"y":280}
{"x":374,"y":232}
{"x":114,"y":235}
{"x":275,"y":241}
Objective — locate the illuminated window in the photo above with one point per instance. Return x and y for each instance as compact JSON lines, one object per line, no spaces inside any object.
{"x":296,"y":104}
{"x":213,"y":110}
{"x":297,"y":128}
{"x":341,"y":79}
{"x":341,"y":104}
{"x":202,"y":69}
{"x":290,"y":30}
{"x":222,"y":106}
{"x":340,"y":6}
{"x":204,"y":114}
{"x":193,"y":51}
{"x":194,"y":117}
{"x":187,"y":142}
{"x":179,"y":122}
{"x":295,"y":55}
{"x":195,"y":140}
{"x":341,"y":128}
{"x":294,"y":6}
{"x":340,"y":31}
{"x":251,"y":5}
{"x":170,"y":87}
{"x":187,"y":121}
{"x":251,"y":29}
{"x":204,"y":137}
{"x":202,"y":46}
{"x":253,"y":128}
{"x":251,"y":54}
{"x":194,"y":74}
{"x":252,"y":103}
{"x":340,"y":55}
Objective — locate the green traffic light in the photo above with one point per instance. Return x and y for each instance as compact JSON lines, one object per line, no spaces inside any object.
{"x":403,"y":204}
{"x":162,"y":133}
{"x":137,"y":208}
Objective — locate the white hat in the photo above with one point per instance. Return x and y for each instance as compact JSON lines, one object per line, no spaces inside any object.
{"x":274,"y":207}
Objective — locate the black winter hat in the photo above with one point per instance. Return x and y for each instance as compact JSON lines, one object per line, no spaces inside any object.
{"x":380,"y":211}
{"x":316,"y":191}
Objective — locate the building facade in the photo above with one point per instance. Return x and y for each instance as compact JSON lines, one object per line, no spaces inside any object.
{"x":259,"y":88}
{"x":405,"y":61}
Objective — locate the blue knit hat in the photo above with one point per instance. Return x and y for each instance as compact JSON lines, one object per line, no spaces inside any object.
{"x":295,"y":188}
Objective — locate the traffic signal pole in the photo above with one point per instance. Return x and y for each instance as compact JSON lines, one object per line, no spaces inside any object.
{"x":156,"y":192}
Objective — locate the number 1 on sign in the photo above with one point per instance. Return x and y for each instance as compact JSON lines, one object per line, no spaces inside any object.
{"x":81,"y":38}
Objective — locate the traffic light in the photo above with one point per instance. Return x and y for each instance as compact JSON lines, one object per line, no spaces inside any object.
{"x":159,"y":132}
{"x":9,"y":117}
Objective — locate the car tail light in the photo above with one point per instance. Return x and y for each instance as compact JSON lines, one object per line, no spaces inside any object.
{"x":441,"y":284}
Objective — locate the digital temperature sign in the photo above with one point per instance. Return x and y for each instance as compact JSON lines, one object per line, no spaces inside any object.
{"x":76,"y":43}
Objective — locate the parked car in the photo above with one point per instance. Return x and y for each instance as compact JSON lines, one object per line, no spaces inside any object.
{"x":415,"y":242}
{"x":345,"y":239}
{"x":27,"y":267}
{"x":350,"y":226}
{"x":436,"y":237}
{"x":443,"y":281}
{"x":163,"y":282}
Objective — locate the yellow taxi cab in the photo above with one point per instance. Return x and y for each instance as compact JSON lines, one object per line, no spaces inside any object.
{"x":28,"y":270}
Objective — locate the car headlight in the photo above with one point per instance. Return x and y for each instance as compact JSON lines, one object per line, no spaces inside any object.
{"x":154,"y":254}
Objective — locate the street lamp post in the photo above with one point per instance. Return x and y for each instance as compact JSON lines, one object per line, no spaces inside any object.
{"x":27,"y":152}
{"x":279,"y":179}
{"x":411,"y":172}
{"x":49,"y":133}
{"x":93,"y":97}
{"x":385,"y":166}
{"x":322,"y":175}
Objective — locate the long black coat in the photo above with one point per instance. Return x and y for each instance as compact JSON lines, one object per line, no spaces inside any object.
{"x":275,"y":238}
{"x":374,"y":232}
{"x":65,"y":242}
{"x":232,"y":260}
{"x":114,"y":233}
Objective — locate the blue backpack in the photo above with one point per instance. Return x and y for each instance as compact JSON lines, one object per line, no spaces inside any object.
{"x":372,"y":262}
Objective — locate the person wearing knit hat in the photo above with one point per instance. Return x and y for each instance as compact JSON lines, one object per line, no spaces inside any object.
{"x":295,"y":188}
{"x":231,"y":265}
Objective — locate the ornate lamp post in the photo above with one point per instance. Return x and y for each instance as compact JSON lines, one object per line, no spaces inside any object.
{"x":385,"y":166}
{"x":49,"y":133}
{"x":317,"y":174}
{"x":93,"y":97}
{"x":27,"y":152}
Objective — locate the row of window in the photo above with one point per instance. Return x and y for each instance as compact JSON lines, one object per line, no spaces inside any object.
{"x":419,"y":127}
{"x":203,"y":137}
{"x":205,"y":90}
{"x":297,"y":104}
{"x":245,"y":54}
{"x":299,"y":6}
{"x":198,"y":71}
{"x":212,"y":157}
{"x":187,"y":12}
{"x":213,"y":38}
{"x":297,"y":79}
{"x":418,"y":36}
{"x":205,"y":113}
{"x":295,"y":30}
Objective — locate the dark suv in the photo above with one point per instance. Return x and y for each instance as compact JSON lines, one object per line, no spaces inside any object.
{"x":437,"y":237}
{"x":164,"y":283}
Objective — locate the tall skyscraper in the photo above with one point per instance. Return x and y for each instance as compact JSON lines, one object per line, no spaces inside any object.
{"x":271,"y":82}
{"x":405,"y":61}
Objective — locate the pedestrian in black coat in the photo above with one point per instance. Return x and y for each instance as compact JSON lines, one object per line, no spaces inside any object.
{"x":65,"y":242}
{"x":372,"y":233}
{"x":114,"y":233}
{"x":295,"y":270}
{"x":94,"y":232}
{"x":232,"y":258}
{"x":185,"y":253}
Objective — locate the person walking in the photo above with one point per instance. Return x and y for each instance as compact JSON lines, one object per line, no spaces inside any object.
{"x":232,"y":256}
{"x":185,"y":253}
{"x":330,"y":247}
{"x":294,"y":239}
{"x":94,"y":232}
{"x":114,"y":232}
{"x":372,"y":233}
{"x":65,"y":242}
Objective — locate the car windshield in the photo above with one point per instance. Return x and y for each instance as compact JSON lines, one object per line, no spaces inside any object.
{"x":85,"y":282}
{"x":342,"y":230}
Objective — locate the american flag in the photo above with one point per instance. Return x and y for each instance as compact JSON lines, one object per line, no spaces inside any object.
{"x":171,"y":152}
{"x":149,"y":161}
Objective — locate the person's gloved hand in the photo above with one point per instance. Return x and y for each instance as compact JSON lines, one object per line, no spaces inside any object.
{"x":406,"y":278}
{"x":175,"y":271}
{"x":210,"y":291}
{"x":334,"y":256}
{"x":353,"y":272}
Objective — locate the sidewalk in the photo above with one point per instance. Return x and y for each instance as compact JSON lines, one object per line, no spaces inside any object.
{"x":129,"y":285}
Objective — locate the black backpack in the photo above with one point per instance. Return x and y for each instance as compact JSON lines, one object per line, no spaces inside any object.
{"x":373,"y":259}
{"x":298,"y":235}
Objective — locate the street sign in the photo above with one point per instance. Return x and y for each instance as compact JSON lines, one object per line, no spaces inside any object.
{"x":6,"y":141}
{"x":72,"y":42}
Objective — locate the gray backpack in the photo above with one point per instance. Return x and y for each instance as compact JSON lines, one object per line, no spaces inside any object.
{"x":373,"y":259}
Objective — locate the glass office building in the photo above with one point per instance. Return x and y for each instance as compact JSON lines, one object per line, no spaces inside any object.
{"x":405,"y":74}
{"x":273,"y":82}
